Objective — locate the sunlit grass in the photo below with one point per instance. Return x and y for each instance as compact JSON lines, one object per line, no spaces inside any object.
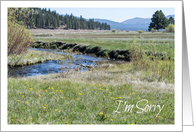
{"x":32,"y":57}
{"x":36,"y":101}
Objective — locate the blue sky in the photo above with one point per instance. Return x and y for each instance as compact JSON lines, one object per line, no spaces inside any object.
{"x":114,"y":14}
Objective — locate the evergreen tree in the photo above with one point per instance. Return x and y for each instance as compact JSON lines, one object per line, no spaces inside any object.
{"x":159,"y":21}
{"x":171,"y":20}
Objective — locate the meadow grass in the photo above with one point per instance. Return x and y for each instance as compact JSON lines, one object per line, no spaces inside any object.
{"x":91,"y":97}
{"x":39,"y":101}
{"x":114,"y":44}
{"x":32,"y":57}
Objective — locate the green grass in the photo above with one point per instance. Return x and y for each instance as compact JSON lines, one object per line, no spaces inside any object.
{"x":157,"y":42}
{"x":33,"y":56}
{"x":38,"y":101}
{"x":114,"y":44}
{"x":91,"y":97}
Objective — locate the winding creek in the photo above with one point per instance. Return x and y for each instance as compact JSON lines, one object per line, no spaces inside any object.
{"x":78,"y":62}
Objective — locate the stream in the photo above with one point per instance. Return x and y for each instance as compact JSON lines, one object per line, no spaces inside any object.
{"x":81,"y":62}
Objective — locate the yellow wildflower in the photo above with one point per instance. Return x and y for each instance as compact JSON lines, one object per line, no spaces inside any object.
{"x":132,"y":124}
{"x":77,"y":98}
{"x":44,"y":104}
{"x":123,"y":95}
{"x":39,"y":95}
{"x":22,"y":95}
{"x":109,"y":92}
{"x":66,"y":122}
{"x":111,"y":119}
{"x":119,"y":97}
{"x":80,"y":94}
{"x":26,"y":102}
{"x":31,"y":118}
{"x":133,"y":93}
{"x":100,"y":113}
{"x":46,"y":91}
{"x":53,"y":97}
{"x":55,"y":109}
{"x":100,"y":89}
{"x":139,"y":98}
{"x":18,"y":100}
{"x":56,"y":90}
{"x":44,"y":107}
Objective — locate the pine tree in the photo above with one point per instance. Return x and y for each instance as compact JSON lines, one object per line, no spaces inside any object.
{"x":159,"y":21}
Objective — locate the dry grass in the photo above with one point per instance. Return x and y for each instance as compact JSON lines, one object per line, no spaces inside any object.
{"x":117,"y":75}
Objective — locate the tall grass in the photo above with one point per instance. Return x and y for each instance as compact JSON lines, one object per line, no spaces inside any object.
{"x":159,"y":68}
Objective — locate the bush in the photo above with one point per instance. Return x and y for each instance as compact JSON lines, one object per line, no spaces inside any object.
{"x":114,"y":30}
{"x":127,"y":30}
{"x":166,"y":29}
{"x":156,"y":30}
{"x":140,"y":31}
{"x":19,"y":38}
{"x":152,"y":30}
{"x":171,"y":27}
{"x":119,"y":30}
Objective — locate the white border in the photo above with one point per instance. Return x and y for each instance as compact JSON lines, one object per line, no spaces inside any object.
{"x":178,"y":65}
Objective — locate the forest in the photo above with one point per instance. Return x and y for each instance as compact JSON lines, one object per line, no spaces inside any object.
{"x":47,"y":19}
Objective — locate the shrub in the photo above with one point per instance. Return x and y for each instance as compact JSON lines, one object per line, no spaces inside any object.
{"x":152,"y":30}
{"x":156,"y":30}
{"x":140,"y":31}
{"x":19,"y":38}
{"x":171,"y":27}
{"x":114,"y":30}
{"x":166,"y":29}
{"x":119,"y":30}
{"x":127,"y":30}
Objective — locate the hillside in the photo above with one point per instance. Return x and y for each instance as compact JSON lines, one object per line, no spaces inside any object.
{"x":133,"y":24}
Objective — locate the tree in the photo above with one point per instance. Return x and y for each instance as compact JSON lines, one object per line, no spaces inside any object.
{"x":159,"y":21}
{"x":171,"y":20}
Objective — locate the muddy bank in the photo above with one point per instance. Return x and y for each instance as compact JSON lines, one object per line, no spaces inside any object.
{"x":96,"y":50}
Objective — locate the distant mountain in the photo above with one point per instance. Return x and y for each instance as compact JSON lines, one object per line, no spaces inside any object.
{"x":133,"y":24}
{"x":137,"y":20}
{"x":170,"y":16}
{"x":130,"y":24}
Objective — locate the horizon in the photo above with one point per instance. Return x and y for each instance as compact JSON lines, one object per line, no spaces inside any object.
{"x":112,"y":14}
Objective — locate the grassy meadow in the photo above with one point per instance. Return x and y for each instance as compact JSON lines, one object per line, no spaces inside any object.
{"x":92,"y":97}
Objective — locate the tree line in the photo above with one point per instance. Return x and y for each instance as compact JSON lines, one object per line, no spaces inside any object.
{"x":45,"y":18}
